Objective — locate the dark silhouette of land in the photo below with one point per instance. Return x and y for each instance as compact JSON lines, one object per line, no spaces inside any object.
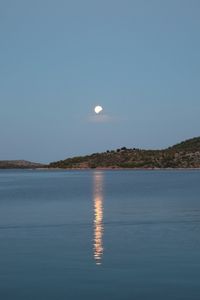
{"x":19,"y":164}
{"x":182,"y":155}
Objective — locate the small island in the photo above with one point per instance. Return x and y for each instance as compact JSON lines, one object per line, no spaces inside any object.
{"x":20,"y":164}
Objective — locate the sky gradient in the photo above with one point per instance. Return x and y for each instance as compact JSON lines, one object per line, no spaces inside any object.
{"x":140,"y":60}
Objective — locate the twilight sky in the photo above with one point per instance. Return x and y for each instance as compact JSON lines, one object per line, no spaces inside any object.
{"x":139,"y":59}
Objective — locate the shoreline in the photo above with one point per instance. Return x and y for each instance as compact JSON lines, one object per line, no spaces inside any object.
{"x":102,"y":169}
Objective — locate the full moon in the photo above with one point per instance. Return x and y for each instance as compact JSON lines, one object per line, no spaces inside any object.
{"x":98,"y":109}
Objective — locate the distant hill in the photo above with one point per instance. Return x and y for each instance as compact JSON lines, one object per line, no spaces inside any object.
{"x":183,"y":155}
{"x":19,"y":164}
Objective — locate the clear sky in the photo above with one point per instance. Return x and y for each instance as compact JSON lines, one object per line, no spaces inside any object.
{"x":139,"y":59}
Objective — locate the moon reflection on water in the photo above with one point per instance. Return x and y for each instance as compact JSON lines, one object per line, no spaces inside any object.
{"x":98,"y":217}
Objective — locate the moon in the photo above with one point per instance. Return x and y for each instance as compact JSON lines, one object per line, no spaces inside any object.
{"x":98,"y":109}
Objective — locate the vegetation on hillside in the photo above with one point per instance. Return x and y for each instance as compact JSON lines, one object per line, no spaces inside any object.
{"x":183,"y":155}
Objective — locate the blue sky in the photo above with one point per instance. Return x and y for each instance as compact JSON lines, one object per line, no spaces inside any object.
{"x":140,"y":60}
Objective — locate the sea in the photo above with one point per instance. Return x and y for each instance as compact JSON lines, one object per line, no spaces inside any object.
{"x":99,"y":235}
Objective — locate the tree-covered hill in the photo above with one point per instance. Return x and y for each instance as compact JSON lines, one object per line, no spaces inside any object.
{"x":188,"y":145}
{"x":183,"y":155}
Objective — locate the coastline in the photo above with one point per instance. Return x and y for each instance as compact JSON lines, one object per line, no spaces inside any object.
{"x":103,"y":169}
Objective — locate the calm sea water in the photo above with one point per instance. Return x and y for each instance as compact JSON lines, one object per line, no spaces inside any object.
{"x":99,"y":235}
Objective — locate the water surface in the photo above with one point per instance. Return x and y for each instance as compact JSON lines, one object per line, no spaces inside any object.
{"x":99,"y":235}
